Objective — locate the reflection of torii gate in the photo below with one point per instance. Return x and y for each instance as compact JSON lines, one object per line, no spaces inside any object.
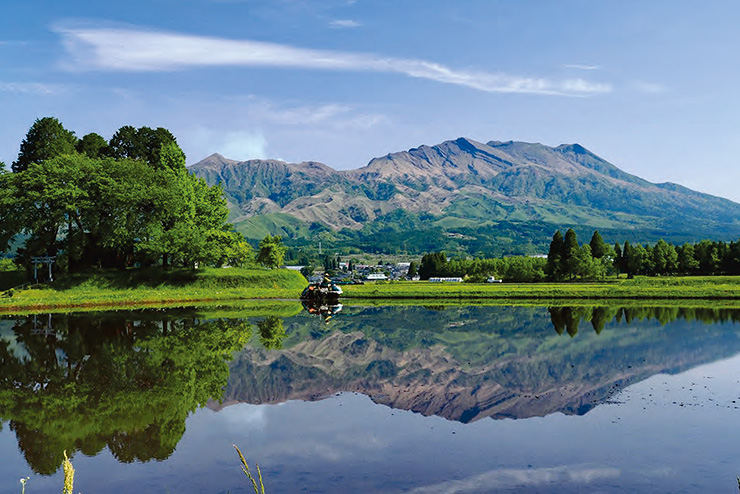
{"x":48,"y":260}
{"x":38,"y":330}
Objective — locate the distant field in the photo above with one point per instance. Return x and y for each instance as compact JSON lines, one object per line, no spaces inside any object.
{"x":140,"y":288}
{"x":667,"y":287}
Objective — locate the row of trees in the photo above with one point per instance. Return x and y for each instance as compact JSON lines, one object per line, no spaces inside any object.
{"x":514,"y":269}
{"x":569,"y":260}
{"x":93,"y":202}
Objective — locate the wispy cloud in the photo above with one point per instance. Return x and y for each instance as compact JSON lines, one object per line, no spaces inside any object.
{"x":140,"y":50}
{"x":648,"y":87}
{"x":581,"y":66}
{"x":344,"y":23}
{"x":330,"y":115}
{"x":29,"y":87}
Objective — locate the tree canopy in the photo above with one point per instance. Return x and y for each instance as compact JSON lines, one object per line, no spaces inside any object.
{"x":117,"y":204}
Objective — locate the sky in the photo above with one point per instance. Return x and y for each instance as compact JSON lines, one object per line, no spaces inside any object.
{"x":653,"y":87}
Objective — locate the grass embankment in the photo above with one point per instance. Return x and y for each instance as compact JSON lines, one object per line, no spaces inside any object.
{"x":658,"y":288}
{"x":152,"y":287}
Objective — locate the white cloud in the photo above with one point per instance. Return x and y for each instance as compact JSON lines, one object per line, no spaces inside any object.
{"x":330,"y":115}
{"x":511,"y":478}
{"x":581,"y":66}
{"x":139,"y":50}
{"x":344,"y":23}
{"x":243,"y":145}
{"x":240,"y":144}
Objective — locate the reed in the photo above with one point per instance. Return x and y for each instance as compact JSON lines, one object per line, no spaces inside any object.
{"x":245,"y":468}
{"x":69,"y":475}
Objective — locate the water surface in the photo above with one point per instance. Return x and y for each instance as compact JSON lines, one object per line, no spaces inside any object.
{"x":376,"y":399}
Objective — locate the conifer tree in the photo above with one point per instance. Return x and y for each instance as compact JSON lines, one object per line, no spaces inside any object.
{"x":553,"y":267}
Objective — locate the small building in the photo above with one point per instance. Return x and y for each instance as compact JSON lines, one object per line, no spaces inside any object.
{"x":446,"y":280}
{"x":376,"y":277}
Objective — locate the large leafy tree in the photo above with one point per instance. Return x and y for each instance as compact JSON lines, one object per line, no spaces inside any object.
{"x":92,"y":145}
{"x":46,"y":139}
{"x":155,"y":146}
{"x":272,"y":251}
{"x":141,"y":205}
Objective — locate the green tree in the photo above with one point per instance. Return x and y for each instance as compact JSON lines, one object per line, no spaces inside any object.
{"x":599,"y":249}
{"x":158,"y":147}
{"x":631,"y":263}
{"x":412,"y":270}
{"x":569,"y":258}
{"x":92,"y":145}
{"x":553,"y":268}
{"x":433,"y":264}
{"x":46,"y":139}
{"x":665,"y":258}
{"x":272,"y":332}
{"x":272,"y":251}
{"x":618,"y":261}
{"x":687,"y":262}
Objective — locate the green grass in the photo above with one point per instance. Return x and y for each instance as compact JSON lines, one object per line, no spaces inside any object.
{"x":141,"y":288}
{"x":667,"y":287}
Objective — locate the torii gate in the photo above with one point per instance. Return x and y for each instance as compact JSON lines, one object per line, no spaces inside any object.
{"x":48,"y":260}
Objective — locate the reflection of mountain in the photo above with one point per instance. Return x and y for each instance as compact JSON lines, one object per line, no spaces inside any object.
{"x":126,"y":381}
{"x":468,"y":363}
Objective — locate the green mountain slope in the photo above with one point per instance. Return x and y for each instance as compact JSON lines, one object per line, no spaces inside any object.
{"x":516,"y":190}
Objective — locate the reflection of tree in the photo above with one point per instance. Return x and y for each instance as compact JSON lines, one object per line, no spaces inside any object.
{"x":568,"y":318}
{"x":272,"y":332}
{"x":110,"y":381}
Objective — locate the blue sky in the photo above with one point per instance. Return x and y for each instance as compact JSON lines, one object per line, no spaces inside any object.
{"x":650,"y":86}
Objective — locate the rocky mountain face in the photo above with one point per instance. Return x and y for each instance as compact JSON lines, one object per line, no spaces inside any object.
{"x":463,"y":184}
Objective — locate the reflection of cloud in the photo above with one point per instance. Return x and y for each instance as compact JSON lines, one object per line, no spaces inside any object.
{"x":510,"y":478}
{"x":139,"y":50}
{"x":248,"y":416}
{"x":344,"y":23}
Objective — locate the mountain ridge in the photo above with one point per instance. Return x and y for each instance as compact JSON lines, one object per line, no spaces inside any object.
{"x":463,"y":182}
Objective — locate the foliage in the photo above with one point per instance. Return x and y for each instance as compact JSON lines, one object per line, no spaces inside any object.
{"x":46,"y":139}
{"x":413,"y":271}
{"x":272,"y":332}
{"x":433,"y":265}
{"x":93,"y":146}
{"x":272,"y":251}
{"x":109,"y":380}
{"x":129,"y":201}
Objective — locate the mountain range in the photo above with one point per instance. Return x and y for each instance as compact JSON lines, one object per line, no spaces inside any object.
{"x":497,"y":197}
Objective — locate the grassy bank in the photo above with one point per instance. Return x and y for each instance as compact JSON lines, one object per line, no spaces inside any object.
{"x":155,"y":287}
{"x":653,"y":288}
